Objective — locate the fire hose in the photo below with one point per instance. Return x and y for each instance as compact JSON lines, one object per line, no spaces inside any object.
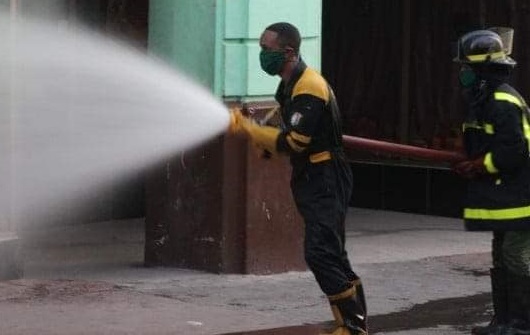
{"x":376,"y":146}
{"x":401,"y":150}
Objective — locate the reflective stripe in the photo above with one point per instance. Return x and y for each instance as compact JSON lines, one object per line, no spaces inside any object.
{"x":467,"y":125}
{"x":526,"y":129}
{"x":502,"y":96}
{"x":320,"y":157}
{"x":487,"y":127}
{"x":337,"y":315}
{"x":488,"y":163}
{"x":300,"y":138}
{"x":497,"y":214}
{"x":484,"y":57}
{"x":294,"y":145}
{"x":343,"y":295}
{"x":508,"y":97}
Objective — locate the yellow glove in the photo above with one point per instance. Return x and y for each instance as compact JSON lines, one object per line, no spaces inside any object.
{"x":264,"y":137}
{"x":236,"y":121}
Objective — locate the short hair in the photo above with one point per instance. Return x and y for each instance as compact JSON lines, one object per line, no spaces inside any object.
{"x":288,"y":35}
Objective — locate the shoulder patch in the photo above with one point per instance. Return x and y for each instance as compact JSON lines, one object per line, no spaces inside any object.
{"x":295,"y":118}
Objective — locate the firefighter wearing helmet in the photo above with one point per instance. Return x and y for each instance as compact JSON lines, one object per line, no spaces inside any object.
{"x":496,"y":133}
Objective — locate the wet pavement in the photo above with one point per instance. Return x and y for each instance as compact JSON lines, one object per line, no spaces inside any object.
{"x":423,"y":275}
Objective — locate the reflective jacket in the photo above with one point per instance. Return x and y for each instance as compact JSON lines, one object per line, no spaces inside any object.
{"x":497,"y":128}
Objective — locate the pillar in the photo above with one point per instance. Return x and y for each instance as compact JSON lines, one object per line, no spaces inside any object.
{"x":221,"y":207}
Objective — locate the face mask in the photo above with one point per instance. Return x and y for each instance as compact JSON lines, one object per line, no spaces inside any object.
{"x":467,"y":77}
{"x":272,"y":61}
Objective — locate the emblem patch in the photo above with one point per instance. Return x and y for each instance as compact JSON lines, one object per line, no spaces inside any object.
{"x":295,"y":119}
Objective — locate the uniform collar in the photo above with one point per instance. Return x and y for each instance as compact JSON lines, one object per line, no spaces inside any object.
{"x":297,"y":73}
{"x":285,"y":88}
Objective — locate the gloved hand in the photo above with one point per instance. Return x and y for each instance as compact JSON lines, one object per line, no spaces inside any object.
{"x":471,"y":168}
{"x":237,"y":121}
{"x":265,"y":137}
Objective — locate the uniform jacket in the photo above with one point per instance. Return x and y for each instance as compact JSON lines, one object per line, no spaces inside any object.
{"x":497,"y":128}
{"x":311,"y":125}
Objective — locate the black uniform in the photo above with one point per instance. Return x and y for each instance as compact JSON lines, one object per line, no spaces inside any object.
{"x":497,"y":136}
{"x":321,"y":184}
{"x":497,"y":127}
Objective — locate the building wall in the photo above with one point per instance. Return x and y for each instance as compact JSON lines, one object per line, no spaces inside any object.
{"x":183,"y":33}
{"x":217,"y":41}
{"x":242,"y":24}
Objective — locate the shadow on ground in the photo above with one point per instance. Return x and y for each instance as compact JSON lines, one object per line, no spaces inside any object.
{"x":459,"y":313}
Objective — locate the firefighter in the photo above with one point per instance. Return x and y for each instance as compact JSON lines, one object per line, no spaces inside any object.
{"x":321,"y":179}
{"x":496,"y":134}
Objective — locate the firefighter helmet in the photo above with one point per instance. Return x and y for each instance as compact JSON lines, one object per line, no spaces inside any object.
{"x":486,"y":46}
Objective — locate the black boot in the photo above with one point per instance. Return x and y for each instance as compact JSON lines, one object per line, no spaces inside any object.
{"x":499,"y":295}
{"x":360,"y":297}
{"x":349,"y":313}
{"x":518,"y":304}
{"x":508,"y":329}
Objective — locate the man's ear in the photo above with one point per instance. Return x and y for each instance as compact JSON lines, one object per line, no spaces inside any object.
{"x":291,"y":54}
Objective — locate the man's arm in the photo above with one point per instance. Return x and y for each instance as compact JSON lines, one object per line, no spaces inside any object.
{"x":307,"y":111}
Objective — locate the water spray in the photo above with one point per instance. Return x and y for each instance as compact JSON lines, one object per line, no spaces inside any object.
{"x":82,"y":112}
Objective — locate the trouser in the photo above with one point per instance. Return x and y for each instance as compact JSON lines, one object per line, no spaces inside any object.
{"x":511,"y":277}
{"x":322,"y":194}
{"x":511,"y":251}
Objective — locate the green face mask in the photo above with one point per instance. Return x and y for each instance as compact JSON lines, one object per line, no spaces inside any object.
{"x":467,"y":77}
{"x":272,"y":61}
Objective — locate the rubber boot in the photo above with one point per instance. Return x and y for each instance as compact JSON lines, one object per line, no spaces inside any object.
{"x":507,"y":330}
{"x":499,"y":295}
{"x":348,"y":313}
{"x":519,"y":304}
{"x":359,"y":290}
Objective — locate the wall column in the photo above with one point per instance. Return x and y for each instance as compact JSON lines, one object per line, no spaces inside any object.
{"x":221,"y":207}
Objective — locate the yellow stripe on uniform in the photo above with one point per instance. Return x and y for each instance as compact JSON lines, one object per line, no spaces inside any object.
{"x":320,"y":157}
{"x":343,"y":295}
{"x":312,"y":83}
{"x":489,"y":129}
{"x":337,"y":315}
{"x":497,"y":214}
{"x":526,"y":129}
{"x":292,"y":143}
{"x":470,"y":125}
{"x":299,"y":137}
{"x":488,"y":163}
{"x":501,"y":96}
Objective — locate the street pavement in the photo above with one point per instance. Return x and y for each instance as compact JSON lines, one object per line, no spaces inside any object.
{"x":422,"y":275}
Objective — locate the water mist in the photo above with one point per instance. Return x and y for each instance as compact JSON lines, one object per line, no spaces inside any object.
{"x":78,"y":111}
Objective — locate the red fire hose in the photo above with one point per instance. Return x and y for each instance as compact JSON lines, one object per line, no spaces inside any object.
{"x":402,"y":150}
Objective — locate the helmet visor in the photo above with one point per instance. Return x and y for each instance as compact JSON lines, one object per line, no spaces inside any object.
{"x":506,"y":35}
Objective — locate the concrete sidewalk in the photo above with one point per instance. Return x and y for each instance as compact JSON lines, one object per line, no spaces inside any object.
{"x":422,"y":274}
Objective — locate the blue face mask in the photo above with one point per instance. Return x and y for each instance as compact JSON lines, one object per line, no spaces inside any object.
{"x":467,"y":77}
{"x":271,"y":61}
